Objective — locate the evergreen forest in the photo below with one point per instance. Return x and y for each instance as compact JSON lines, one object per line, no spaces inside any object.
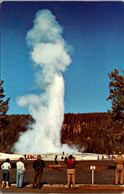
{"x":87,"y":132}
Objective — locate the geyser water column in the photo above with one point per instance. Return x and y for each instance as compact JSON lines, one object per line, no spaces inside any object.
{"x":49,"y":53}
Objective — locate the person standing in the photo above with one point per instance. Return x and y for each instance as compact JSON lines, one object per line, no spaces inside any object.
{"x":38,"y":166}
{"x":20,"y":172}
{"x":119,"y":168}
{"x":70,"y":170}
{"x":56,"y":161}
{"x":62,"y":157}
{"x":6,"y":167}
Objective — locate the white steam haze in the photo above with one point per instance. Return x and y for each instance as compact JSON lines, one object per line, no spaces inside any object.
{"x":49,"y":53}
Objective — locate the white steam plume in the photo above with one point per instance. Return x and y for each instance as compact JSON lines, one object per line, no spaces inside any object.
{"x":50,"y":53}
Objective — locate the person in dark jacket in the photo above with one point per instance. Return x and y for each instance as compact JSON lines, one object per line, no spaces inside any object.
{"x":38,"y":166}
{"x":70,"y":170}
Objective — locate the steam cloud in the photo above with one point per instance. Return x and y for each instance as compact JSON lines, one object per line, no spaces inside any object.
{"x":49,"y":53}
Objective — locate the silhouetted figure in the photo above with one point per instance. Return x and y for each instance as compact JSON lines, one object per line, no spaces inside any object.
{"x":62,"y":155}
{"x":25,"y":156}
{"x":56,"y":161}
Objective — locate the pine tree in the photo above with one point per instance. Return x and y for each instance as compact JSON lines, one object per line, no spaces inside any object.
{"x":116,"y":86}
{"x":4,"y":106}
{"x":115,"y":129}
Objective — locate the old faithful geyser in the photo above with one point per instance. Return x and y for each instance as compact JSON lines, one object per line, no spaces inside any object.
{"x":49,"y":53}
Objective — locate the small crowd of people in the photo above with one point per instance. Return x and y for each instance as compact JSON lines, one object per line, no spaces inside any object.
{"x":106,"y":157}
{"x":39,"y":164}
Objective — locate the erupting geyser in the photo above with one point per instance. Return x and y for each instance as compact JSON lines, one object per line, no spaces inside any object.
{"x":49,"y":52}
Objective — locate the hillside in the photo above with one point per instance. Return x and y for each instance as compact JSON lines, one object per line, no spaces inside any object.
{"x":86,"y":131}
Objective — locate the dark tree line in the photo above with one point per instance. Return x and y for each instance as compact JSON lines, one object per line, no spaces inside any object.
{"x":87,"y":132}
{"x":15,"y":124}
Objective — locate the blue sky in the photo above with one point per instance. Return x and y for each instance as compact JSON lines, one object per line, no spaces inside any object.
{"x":95,"y":30}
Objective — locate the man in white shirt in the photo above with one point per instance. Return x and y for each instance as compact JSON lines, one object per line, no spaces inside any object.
{"x":20,"y":172}
{"x":6,"y":167}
